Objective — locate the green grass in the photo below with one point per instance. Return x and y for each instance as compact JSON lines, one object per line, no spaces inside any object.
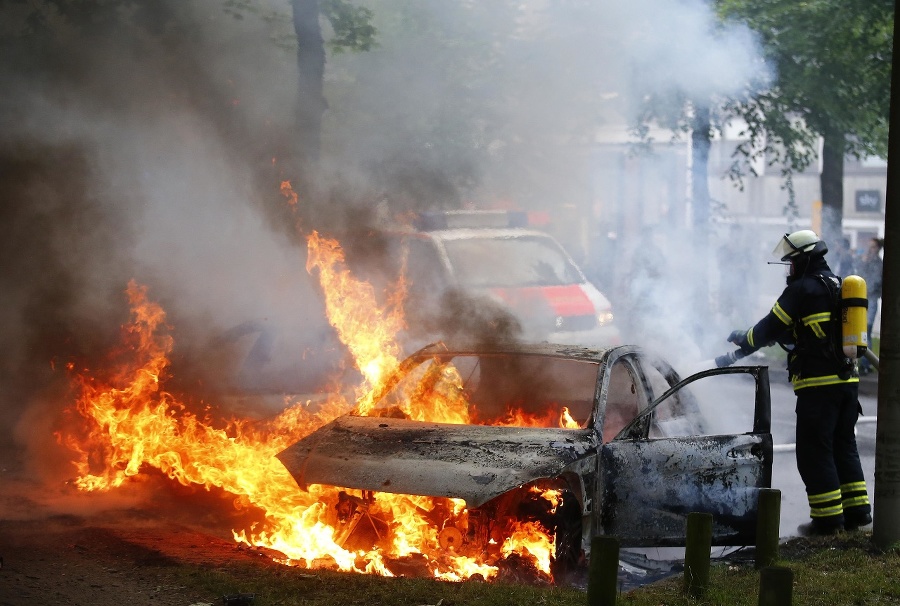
{"x":827,"y":571}
{"x":294,"y":587}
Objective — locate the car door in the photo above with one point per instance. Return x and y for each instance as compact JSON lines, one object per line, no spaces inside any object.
{"x":652,"y":476}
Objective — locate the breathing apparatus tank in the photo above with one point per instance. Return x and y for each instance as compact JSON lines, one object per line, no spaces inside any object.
{"x":854,"y":303}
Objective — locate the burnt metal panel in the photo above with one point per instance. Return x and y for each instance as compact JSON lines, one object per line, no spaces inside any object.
{"x":475,"y":463}
{"x":650,"y":486}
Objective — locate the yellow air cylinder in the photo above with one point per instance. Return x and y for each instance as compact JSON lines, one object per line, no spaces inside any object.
{"x":853,"y":316}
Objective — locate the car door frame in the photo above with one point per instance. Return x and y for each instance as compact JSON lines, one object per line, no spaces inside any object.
{"x":720,"y":475}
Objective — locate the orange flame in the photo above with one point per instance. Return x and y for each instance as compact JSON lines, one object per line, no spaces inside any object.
{"x":352,"y":308}
{"x":132,"y":424}
{"x":288,"y":192}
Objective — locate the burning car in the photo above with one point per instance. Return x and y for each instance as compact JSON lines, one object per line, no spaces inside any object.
{"x":526,"y":452}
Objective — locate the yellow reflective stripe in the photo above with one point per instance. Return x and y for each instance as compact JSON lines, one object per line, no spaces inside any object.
{"x":824,"y":512}
{"x":781,"y":314}
{"x":814,"y":322}
{"x":863,"y":500}
{"x":853,"y":486}
{"x":820,"y":381}
{"x":750,"y":338}
{"x":819,"y":317}
{"x":823,"y":497}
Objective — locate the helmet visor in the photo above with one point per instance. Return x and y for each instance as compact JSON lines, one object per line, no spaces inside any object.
{"x":803,"y":241}
{"x":784,"y":248}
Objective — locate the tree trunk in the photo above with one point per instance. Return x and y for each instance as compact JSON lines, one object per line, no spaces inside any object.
{"x":700,"y":143}
{"x":311,"y":103}
{"x":832,"y":185}
{"x":886,"y":502}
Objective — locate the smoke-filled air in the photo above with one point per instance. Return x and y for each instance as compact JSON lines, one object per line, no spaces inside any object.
{"x":170,"y":210}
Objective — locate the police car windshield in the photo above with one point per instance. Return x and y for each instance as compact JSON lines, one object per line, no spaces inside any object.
{"x":510,"y":262}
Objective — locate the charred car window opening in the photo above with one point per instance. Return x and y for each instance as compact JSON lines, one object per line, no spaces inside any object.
{"x":531,"y":391}
{"x":623,"y":402}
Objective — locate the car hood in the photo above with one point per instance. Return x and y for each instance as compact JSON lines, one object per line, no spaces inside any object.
{"x":474,"y":463}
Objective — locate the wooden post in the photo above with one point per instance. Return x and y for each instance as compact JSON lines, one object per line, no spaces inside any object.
{"x":696,"y":553}
{"x":768,"y":523}
{"x":603,"y":572}
{"x":776,"y":586}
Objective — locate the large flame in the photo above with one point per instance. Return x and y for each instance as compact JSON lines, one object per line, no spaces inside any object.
{"x":132,"y":424}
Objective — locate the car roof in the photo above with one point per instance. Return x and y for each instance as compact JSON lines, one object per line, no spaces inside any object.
{"x":470,"y":233}
{"x":558,"y":350}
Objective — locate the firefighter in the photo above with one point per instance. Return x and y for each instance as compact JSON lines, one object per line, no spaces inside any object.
{"x":825,"y":382}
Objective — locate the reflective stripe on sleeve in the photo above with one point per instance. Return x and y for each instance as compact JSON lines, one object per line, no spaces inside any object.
{"x":782,"y":315}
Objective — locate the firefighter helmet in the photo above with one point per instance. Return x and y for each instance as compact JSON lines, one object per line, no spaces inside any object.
{"x":804,"y":241}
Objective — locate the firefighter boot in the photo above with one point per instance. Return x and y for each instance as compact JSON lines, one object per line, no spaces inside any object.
{"x":820,"y":527}
{"x":854,"y":520}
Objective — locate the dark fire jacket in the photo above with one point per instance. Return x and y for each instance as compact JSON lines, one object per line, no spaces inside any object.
{"x":801,"y":321}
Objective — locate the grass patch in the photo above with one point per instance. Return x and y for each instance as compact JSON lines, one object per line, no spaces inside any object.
{"x":273,"y":584}
{"x":827,"y":571}
{"x":846,"y":569}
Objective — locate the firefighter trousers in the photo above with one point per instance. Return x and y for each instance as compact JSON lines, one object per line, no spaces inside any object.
{"x":827,"y":457}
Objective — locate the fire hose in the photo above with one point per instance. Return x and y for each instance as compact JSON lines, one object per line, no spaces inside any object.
{"x":872,"y":358}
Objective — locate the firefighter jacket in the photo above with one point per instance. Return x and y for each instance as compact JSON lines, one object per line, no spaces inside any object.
{"x":805,"y":320}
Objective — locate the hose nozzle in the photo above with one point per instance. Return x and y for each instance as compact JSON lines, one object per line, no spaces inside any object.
{"x":729,"y":358}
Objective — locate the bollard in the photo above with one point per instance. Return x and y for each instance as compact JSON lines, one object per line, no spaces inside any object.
{"x":603,"y":571}
{"x":768,"y":522}
{"x":776,"y":586}
{"x":696,"y":553}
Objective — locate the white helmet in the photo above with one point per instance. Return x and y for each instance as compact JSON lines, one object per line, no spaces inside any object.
{"x":799,"y":242}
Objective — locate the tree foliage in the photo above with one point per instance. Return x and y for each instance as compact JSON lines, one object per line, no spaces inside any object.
{"x":352,"y":26}
{"x":832,"y":60}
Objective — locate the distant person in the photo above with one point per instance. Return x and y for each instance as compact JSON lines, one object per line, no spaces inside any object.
{"x":871,"y":269}
{"x":844,"y":259}
{"x":825,"y":382}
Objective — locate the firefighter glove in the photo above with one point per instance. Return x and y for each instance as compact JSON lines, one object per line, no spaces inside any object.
{"x":739,"y":338}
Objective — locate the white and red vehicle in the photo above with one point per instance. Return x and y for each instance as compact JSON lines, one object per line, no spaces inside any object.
{"x":495,"y":256}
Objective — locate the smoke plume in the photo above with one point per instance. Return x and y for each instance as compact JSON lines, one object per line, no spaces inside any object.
{"x":152,"y":146}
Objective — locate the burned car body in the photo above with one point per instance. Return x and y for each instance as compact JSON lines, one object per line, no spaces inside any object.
{"x":582,"y":442}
